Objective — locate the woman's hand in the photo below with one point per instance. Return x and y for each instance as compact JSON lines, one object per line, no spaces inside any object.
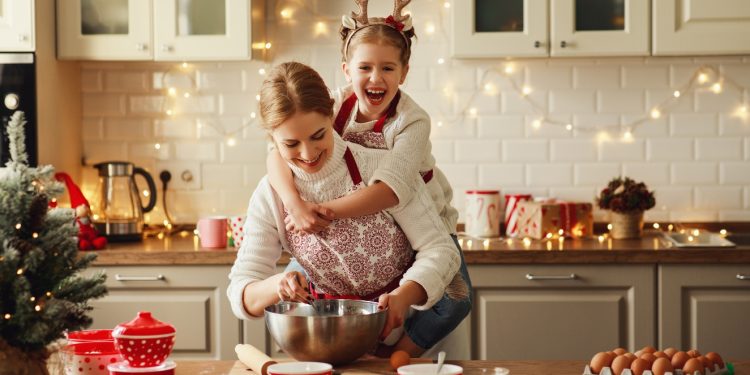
{"x":293,"y":287}
{"x":307,"y":217}
{"x":398,"y":307}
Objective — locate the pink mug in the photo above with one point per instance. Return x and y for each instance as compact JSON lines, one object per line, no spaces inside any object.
{"x":213,"y":231}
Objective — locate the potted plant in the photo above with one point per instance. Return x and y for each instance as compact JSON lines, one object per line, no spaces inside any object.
{"x":627,"y":200}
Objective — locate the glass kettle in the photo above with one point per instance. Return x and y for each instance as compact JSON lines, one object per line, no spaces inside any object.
{"x":117,"y":210}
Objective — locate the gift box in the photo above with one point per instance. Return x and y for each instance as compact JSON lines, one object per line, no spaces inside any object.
{"x":538,"y":219}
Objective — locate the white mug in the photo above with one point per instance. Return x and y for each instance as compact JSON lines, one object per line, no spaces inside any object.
{"x":483,"y":213}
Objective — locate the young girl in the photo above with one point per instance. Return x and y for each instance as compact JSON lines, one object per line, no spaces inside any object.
{"x":373,"y":112}
{"x":367,"y":257}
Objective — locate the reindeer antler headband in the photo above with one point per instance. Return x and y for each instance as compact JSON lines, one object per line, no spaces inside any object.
{"x":359,"y":21}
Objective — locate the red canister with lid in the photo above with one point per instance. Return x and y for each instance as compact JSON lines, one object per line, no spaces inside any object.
{"x":144,"y":341}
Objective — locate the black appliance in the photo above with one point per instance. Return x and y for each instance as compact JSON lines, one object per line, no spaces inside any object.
{"x":18,"y":93}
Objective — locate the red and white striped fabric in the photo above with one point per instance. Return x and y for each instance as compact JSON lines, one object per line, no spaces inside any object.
{"x":511,"y":214}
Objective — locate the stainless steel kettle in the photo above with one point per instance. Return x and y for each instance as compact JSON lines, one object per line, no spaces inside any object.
{"x":117,"y":210}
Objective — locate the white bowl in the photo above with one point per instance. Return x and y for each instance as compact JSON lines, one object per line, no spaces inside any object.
{"x":430,"y":369}
{"x":300,"y":368}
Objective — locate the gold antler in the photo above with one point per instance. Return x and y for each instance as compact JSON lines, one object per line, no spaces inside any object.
{"x":361,"y":17}
{"x":398,"y":6}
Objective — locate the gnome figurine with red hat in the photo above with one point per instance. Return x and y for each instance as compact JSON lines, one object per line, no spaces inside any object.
{"x":88,"y":237}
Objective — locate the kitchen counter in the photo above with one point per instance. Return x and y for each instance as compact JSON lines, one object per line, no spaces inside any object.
{"x":650,"y":249}
{"x":381,"y":366}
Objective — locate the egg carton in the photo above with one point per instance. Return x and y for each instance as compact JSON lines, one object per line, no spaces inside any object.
{"x":608,"y":371}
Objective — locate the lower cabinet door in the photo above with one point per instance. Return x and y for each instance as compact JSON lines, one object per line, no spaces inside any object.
{"x":561,"y":312}
{"x":191,"y":298}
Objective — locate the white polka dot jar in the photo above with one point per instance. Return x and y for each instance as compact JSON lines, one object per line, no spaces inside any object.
{"x":144,"y":341}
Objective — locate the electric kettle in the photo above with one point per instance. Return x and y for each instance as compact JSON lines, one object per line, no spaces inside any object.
{"x":117,"y":210}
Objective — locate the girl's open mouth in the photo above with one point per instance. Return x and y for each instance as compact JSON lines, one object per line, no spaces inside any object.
{"x":375,"y":96}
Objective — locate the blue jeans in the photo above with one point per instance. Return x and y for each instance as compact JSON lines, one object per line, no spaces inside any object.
{"x":426,"y":328}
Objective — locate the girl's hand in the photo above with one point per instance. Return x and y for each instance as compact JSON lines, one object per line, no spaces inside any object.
{"x":293,"y":287}
{"x":307,"y":217}
{"x":398,"y":307}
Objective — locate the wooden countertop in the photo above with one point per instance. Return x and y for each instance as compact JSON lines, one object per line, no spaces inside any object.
{"x":650,"y":249}
{"x":381,"y":366}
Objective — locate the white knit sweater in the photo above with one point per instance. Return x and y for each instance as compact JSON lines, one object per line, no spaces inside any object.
{"x":407,"y":135}
{"x":437,"y":260}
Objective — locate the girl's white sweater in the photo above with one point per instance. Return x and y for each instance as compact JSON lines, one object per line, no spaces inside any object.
{"x":437,"y":260}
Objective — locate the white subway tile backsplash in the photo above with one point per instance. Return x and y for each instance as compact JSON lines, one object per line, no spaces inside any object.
{"x":734,"y":215}
{"x":253,"y":173}
{"x":573,"y":150}
{"x":224,"y":80}
{"x":664,"y":100}
{"x":145,"y":105}
{"x":459,"y":79}
{"x":597,"y":77}
{"x":673,"y":198}
{"x":477,"y":151}
{"x":93,"y":129}
{"x":575,"y":194}
{"x":698,"y":173}
{"x":463,"y":174}
{"x":714,"y":197}
{"x":596,"y":121}
{"x":514,"y":103}
{"x":194,"y":204}
{"x":547,"y":130}
{"x":734,"y":124}
{"x":501,"y":175}
{"x":146,"y":151}
{"x":650,"y":173}
{"x":199,"y":105}
{"x":443,"y":129}
{"x":443,"y":151}
{"x":183,"y":128}
{"x":739,"y":73}
{"x":233,"y":202}
{"x":99,"y":151}
{"x":242,"y":152}
{"x":693,"y":216}
{"x":734,"y":173}
{"x":525,"y":150}
{"x":558,"y":174}
{"x":726,"y":101}
{"x":500,"y":127}
{"x":680,"y":74}
{"x":91,"y":81}
{"x":694,"y":124}
{"x":645,"y":77}
{"x":103,"y":104}
{"x":621,"y":101}
{"x":237,"y":104}
{"x":671,"y":149}
{"x":220,"y":176}
{"x":417,"y":79}
{"x":572,"y":101}
{"x":137,"y":129}
{"x":651,"y":128}
{"x":622,"y":151}
{"x":720,"y":149}
{"x":595,"y":174}
{"x":559,"y":77}
{"x":126,"y":81}
{"x":483,"y":104}
{"x":196,"y":151}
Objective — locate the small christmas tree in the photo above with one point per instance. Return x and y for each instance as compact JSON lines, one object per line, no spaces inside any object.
{"x":42,"y":294}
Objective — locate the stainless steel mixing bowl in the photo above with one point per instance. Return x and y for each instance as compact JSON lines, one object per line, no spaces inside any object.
{"x":332,"y":331}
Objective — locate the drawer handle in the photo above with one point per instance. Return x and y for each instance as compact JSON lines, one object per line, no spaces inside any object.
{"x":572,"y":276}
{"x":742,"y":277}
{"x":119,"y":277}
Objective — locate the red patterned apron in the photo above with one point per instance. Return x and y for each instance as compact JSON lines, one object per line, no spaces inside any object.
{"x":373,"y":138}
{"x":355,"y":258}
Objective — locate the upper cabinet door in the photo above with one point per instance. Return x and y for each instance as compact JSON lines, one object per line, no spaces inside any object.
{"x":17,"y":25}
{"x":600,"y":28}
{"x":104,"y":29}
{"x":701,"y":27}
{"x":202,"y":29}
{"x":491,"y":28}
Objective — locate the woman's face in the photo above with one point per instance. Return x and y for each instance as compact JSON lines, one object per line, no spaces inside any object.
{"x":305,"y":140}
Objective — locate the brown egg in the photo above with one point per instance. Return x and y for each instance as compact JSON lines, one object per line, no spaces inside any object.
{"x":661,"y":355}
{"x":691,"y":366}
{"x":638,"y":353}
{"x":679,"y":359}
{"x":716,"y":358}
{"x":694,"y":353}
{"x":649,"y":357}
{"x":600,"y":361}
{"x":399,"y":358}
{"x":639,"y":366}
{"x":631,"y":356}
{"x":620,"y":363}
{"x":662,"y":366}
{"x":619,"y":351}
{"x":707,"y":363}
{"x":648,"y":349}
{"x":670,"y":352}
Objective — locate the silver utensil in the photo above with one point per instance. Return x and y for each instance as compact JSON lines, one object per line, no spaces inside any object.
{"x":441,"y":360}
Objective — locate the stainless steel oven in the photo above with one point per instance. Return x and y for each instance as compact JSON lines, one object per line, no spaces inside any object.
{"x":18,"y":93}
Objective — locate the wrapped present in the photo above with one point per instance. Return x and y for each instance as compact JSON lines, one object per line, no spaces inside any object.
{"x":538,"y":219}
{"x":511,"y":212}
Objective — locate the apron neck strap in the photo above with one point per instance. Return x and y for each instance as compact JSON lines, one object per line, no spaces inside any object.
{"x":352,"y":166}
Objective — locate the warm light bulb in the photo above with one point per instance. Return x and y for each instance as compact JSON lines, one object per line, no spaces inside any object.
{"x":170,"y":112}
{"x":569,"y":127}
{"x":602,"y":136}
{"x":447,"y":5}
{"x":696,"y":232}
{"x":439,"y":124}
{"x":257,"y":97}
{"x":146,"y":193}
{"x":268,"y":45}
{"x":32,"y":299}
{"x":253,"y":115}
{"x":601,"y":239}
{"x":48,"y":294}
{"x":490,"y":89}
{"x":560,"y":232}
{"x":609,"y":226}
{"x":723,"y":232}
{"x":157,"y":146}
{"x":656,"y":225}
{"x":676,"y":93}
{"x":526,"y":242}
{"x":172,"y":91}
{"x":186,"y":95}
{"x":509,"y":241}
{"x":536,"y":124}
{"x":320,"y":28}
{"x":38,"y":308}
{"x":716,"y":88}
{"x":231,"y":142}
{"x":655,"y":113}
{"x":7,"y":316}
{"x":429,"y":28}
{"x":743,"y":109}
{"x":627,"y":136}
{"x":35,"y":235}
{"x":526,"y":90}
{"x":441,"y":61}
{"x":509,"y":68}
{"x":19,"y":271}
{"x":703,"y":78}
{"x":262,"y":71}
{"x":18,"y":226}
{"x":548,"y":236}
{"x":195,"y":232}
{"x":286,"y":13}
{"x":473,"y":112}
{"x":184,"y":65}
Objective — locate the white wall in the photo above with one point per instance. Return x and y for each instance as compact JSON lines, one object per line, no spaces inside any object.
{"x":696,"y":157}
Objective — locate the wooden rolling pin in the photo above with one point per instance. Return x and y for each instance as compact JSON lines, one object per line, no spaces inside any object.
{"x":253,"y":358}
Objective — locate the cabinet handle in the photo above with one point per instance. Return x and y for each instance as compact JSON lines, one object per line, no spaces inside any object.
{"x":166,"y":48}
{"x":141,"y":46}
{"x":742,"y":277}
{"x":119,"y":277}
{"x":572,"y":276}
{"x":537,"y":44}
{"x":563,"y":44}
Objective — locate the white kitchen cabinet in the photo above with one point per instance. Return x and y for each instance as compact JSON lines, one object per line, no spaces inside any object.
{"x":161,"y":30}
{"x":705,"y":307}
{"x":191,"y":298}
{"x":17,"y":26}
{"x":534,"y":312}
{"x":528,"y":28}
{"x":701,"y":27}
